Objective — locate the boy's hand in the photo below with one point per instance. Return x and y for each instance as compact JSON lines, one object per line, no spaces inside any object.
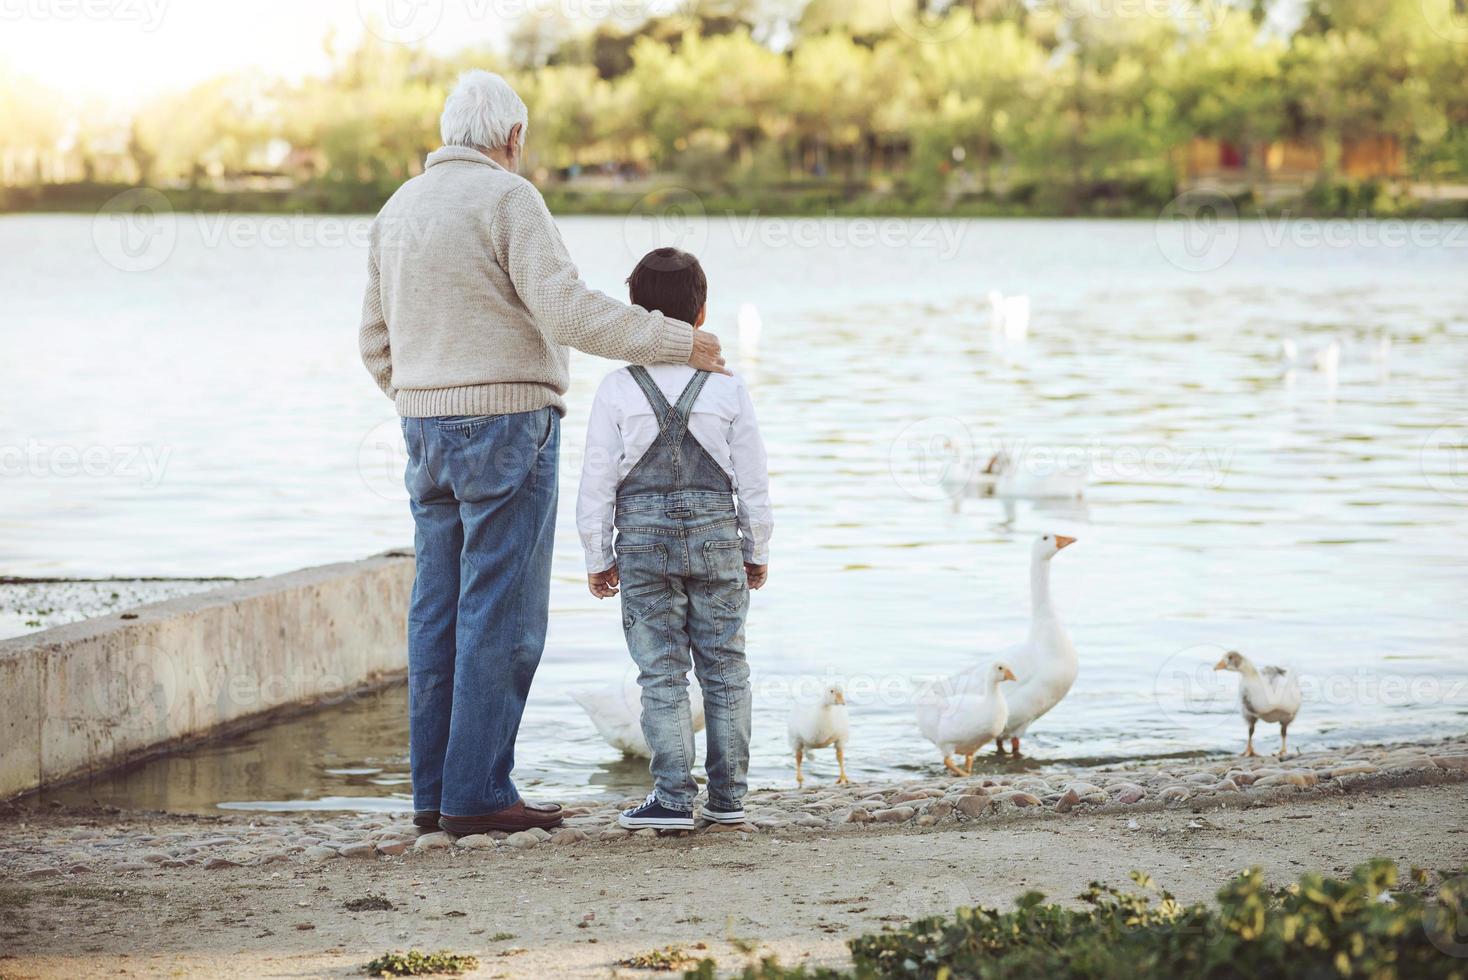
{"x":756,"y":574}
{"x":603,"y":585}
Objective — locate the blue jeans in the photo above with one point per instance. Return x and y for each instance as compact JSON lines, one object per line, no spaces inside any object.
{"x":483,"y":495}
{"x":684,"y":591}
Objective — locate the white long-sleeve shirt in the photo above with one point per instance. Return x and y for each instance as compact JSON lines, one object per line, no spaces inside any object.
{"x":623,"y":427}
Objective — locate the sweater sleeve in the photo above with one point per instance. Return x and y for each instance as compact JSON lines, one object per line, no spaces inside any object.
{"x":372,"y":337}
{"x":529,"y":248}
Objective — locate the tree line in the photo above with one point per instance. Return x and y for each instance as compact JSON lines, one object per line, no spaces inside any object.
{"x":1041,"y":106}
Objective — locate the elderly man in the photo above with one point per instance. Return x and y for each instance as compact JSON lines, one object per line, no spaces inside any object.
{"x":471,"y":303}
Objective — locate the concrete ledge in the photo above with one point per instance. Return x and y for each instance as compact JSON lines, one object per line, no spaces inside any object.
{"x":100,"y":693}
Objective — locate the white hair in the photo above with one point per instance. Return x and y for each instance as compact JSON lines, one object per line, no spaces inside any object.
{"x":481,"y":111}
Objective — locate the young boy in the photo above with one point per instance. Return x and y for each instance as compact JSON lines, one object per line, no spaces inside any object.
{"x":668,"y":451}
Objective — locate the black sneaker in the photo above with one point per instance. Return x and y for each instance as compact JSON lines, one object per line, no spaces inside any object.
{"x":721,"y":813}
{"x":425,"y":819}
{"x":653,"y":814}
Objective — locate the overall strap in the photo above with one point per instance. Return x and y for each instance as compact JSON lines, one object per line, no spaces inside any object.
{"x":690,"y":394}
{"x":660,"y":406}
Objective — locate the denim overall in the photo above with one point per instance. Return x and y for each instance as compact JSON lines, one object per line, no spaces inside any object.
{"x":683,"y":588}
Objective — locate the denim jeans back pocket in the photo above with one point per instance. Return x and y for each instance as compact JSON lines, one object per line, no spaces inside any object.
{"x":723,"y":573}
{"x":643,"y":569}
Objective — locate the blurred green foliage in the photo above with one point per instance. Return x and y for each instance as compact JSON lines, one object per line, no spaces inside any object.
{"x":991,"y":106}
{"x":1361,"y":926}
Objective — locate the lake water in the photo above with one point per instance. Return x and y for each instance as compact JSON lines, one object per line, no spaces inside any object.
{"x":198,"y":409}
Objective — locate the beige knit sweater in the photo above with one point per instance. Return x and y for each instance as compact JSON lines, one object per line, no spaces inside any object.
{"x":472,"y":299}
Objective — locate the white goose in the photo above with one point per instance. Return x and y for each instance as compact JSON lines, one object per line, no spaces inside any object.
{"x":1009,"y":318}
{"x":1001,"y":477}
{"x":616,"y":711}
{"x":815,"y":726}
{"x":1270,"y":694}
{"x":1045,"y":663}
{"x":751,"y":326}
{"x":964,"y":722}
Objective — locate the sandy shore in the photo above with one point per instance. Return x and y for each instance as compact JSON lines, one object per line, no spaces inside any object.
{"x":89,"y":893}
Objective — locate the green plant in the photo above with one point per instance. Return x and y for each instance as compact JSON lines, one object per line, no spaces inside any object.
{"x":1318,"y":927}
{"x":416,"y":963}
{"x":667,"y":958}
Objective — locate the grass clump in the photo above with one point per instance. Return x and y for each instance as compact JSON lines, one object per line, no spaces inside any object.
{"x":1319,"y":927}
{"x":668,"y":958}
{"x":416,"y":963}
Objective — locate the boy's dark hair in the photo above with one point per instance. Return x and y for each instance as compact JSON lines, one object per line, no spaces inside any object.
{"x":669,"y":282}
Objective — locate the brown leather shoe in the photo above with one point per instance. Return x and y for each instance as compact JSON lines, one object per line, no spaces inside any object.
{"x":519,"y":816}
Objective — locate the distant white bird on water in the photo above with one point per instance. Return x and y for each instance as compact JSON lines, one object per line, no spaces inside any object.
{"x":1324,"y":359}
{"x":1267,"y":694}
{"x":818,"y":725}
{"x":1007,"y":479}
{"x":1009,"y":318}
{"x":751,"y":325}
{"x":616,"y":711}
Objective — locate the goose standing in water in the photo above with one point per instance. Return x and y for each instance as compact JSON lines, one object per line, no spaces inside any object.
{"x":965,"y":722}
{"x":616,"y":711}
{"x":816,"y":726}
{"x":1268,"y":694}
{"x":1045,"y":663}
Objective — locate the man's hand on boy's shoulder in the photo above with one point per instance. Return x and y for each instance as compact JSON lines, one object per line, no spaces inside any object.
{"x":603,"y":585}
{"x":756,"y":575}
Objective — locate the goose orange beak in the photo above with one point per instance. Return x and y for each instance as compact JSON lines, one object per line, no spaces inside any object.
{"x":1009,"y":675}
{"x":840,"y":697}
{"x":1061,"y":541}
{"x":1221,"y":665}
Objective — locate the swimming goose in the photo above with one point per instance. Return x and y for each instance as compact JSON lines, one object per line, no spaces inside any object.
{"x":751,"y":326}
{"x":1268,"y":694}
{"x":1009,"y":318}
{"x":1001,"y":477}
{"x":815,"y":726}
{"x":964,"y":721}
{"x":616,"y":711}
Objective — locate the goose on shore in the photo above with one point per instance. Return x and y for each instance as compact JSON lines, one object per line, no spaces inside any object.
{"x":616,"y":711}
{"x":816,"y":726}
{"x":1045,"y":664}
{"x":1267,"y":694}
{"x":964,"y":721}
